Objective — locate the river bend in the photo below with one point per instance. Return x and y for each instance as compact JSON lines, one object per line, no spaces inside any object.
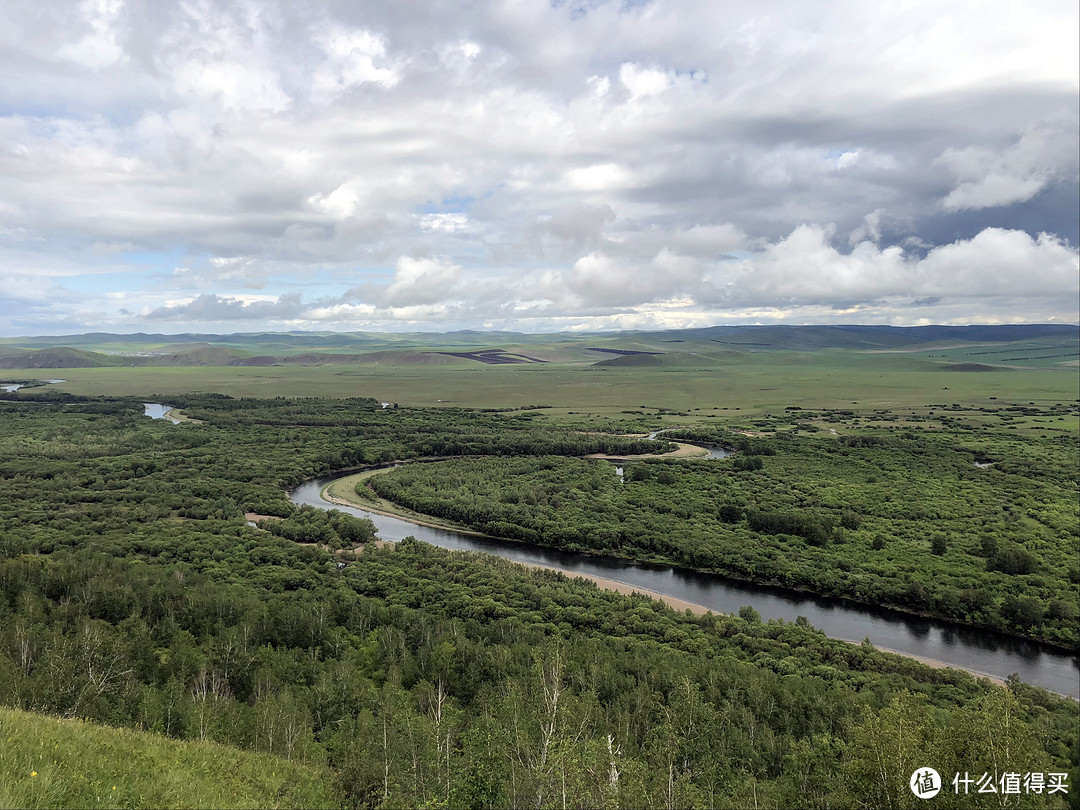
{"x":979,"y":651}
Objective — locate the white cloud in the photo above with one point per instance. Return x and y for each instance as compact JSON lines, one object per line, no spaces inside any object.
{"x":215,"y":308}
{"x":580,"y":163}
{"x":805,"y":268}
{"x":235,"y":86}
{"x":351,"y":60}
{"x":1002,"y":262}
{"x":643,"y":82}
{"x":994,"y":189}
{"x":338,"y":204}
{"x":604,"y":279}
{"x":709,"y":240}
{"x":989,"y":177}
{"x":447,"y":223}
{"x":599,"y":177}
{"x":422,"y":281}
{"x":98,"y":48}
{"x":870,"y":229}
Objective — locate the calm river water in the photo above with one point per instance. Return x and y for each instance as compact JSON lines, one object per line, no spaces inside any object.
{"x":11,"y":388}
{"x":155,"y":410}
{"x":978,"y":650}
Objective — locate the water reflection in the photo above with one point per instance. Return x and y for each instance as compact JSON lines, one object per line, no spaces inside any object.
{"x":155,"y":410}
{"x":715,"y":451}
{"x":11,"y":388}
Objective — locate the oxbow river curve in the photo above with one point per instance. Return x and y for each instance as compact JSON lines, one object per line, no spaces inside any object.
{"x":978,"y":651}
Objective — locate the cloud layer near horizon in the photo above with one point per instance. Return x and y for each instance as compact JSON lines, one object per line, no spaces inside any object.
{"x":242,"y":165}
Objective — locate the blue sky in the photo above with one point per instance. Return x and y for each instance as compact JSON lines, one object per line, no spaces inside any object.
{"x":231,"y":166}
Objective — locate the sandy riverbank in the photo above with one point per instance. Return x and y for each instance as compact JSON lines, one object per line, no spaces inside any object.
{"x":176,"y":417}
{"x":684,"y":451}
{"x":384,"y":507}
{"x":700,"y":610}
{"x":621,"y":587}
{"x":935,"y":664}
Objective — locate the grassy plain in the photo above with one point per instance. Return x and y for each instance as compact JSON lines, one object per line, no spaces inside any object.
{"x":753,"y":383}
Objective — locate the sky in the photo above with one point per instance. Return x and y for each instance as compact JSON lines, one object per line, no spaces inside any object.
{"x":225,"y":166}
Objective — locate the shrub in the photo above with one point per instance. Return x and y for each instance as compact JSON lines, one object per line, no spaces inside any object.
{"x":730,"y":513}
{"x":1012,"y":559}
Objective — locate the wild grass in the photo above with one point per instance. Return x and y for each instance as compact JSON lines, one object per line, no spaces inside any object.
{"x":47,"y":762}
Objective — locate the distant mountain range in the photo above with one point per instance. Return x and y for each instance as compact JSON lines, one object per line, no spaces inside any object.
{"x":682,"y":346}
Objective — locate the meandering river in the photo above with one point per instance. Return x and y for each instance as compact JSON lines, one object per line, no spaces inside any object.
{"x":714,"y":451}
{"x":11,"y":388}
{"x":979,"y":651}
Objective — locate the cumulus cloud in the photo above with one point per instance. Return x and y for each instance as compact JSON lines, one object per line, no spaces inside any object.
{"x":534,"y":162}
{"x":447,"y":223}
{"x":353,"y":57}
{"x":572,"y":229}
{"x":989,"y":177}
{"x":599,"y":177}
{"x":98,"y":47}
{"x":210,"y":307}
{"x":1002,"y":263}
{"x":643,"y":81}
{"x":806,"y":268}
{"x":870,"y":229}
{"x":422,"y":281}
{"x":708,"y":240}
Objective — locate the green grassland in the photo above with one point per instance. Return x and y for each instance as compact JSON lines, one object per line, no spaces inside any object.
{"x":673,"y":377}
{"x":755,"y":382}
{"x":49,"y":762}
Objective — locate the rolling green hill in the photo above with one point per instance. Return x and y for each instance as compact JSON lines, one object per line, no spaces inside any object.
{"x":675,"y":359}
{"x":282,"y":347}
{"x":60,"y":357}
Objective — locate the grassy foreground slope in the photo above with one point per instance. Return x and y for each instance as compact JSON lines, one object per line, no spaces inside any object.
{"x":48,"y":762}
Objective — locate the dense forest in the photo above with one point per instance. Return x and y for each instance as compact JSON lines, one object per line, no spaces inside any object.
{"x":133,"y":592}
